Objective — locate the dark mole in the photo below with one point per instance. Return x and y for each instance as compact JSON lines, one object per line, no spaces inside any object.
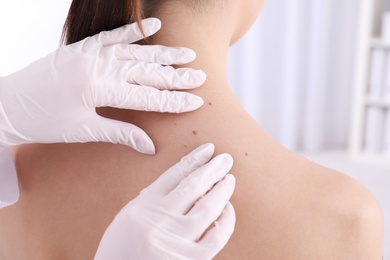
{"x":194,"y":132}
{"x":210,"y":104}
{"x":246,"y":154}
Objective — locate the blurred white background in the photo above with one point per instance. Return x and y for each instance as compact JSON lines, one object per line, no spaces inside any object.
{"x":293,"y":72}
{"x":298,"y":68}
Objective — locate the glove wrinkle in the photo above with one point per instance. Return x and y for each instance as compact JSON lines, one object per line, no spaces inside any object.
{"x":54,"y":99}
{"x":153,"y":226}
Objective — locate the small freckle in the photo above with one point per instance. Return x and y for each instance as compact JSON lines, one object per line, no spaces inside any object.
{"x":185,"y":146}
{"x":210,"y":104}
{"x":246,"y":154}
{"x":194,"y":132}
{"x":175,"y":124}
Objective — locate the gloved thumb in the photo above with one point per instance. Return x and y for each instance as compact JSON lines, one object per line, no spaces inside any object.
{"x":111,"y":131}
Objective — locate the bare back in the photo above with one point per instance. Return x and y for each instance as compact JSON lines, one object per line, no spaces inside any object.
{"x":70,"y":193}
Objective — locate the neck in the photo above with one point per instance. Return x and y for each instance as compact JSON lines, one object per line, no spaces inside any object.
{"x":209,"y":38}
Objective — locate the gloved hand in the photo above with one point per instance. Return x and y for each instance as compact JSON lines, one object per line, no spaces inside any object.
{"x":171,"y":217}
{"x":53,"y":99}
{"x":9,"y":189}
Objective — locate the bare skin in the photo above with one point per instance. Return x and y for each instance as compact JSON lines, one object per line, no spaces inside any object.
{"x":287,"y":207}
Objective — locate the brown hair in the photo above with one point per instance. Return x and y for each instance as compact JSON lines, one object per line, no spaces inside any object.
{"x":89,"y":17}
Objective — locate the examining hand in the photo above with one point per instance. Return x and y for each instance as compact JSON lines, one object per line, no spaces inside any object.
{"x":171,"y":217}
{"x":54,"y":99}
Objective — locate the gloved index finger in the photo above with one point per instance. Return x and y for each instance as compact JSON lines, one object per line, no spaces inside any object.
{"x":188,"y":164}
{"x":129,"y":33}
{"x":202,"y":180}
{"x":164,"y":77}
{"x":155,"y":54}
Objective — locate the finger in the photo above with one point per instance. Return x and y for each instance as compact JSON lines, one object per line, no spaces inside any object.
{"x":217,"y":237}
{"x":147,"y":99}
{"x":199,"y":183}
{"x":101,"y":129}
{"x":129,"y":33}
{"x":164,"y":77}
{"x":189,"y":163}
{"x":155,"y":54}
{"x":210,"y":206}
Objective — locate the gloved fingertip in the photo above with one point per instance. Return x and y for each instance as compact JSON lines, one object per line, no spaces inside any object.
{"x":227,"y":157}
{"x":227,"y":220}
{"x":229,"y":209}
{"x":188,"y":55}
{"x":197,"y":157}
{"x":151,"y":25}
{"x":140,"y":141}
{"x":204,"y":153}
{"x":197,"y":79}
{"x":146,"y":148}
{"x":205,"y":148}
{"x":202,"y":76}
{"x":151,"y":151}
{"x":230,"y":179}
{"x":193,"y":103}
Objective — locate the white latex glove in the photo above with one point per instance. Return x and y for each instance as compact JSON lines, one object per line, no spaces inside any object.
{"x":168,"y":220}
{"x":9,"y":189}
{"x":54,"y":99}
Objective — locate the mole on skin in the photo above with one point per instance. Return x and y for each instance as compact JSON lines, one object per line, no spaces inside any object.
{"x":194,"y":132}
{"x":246,"y":154}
